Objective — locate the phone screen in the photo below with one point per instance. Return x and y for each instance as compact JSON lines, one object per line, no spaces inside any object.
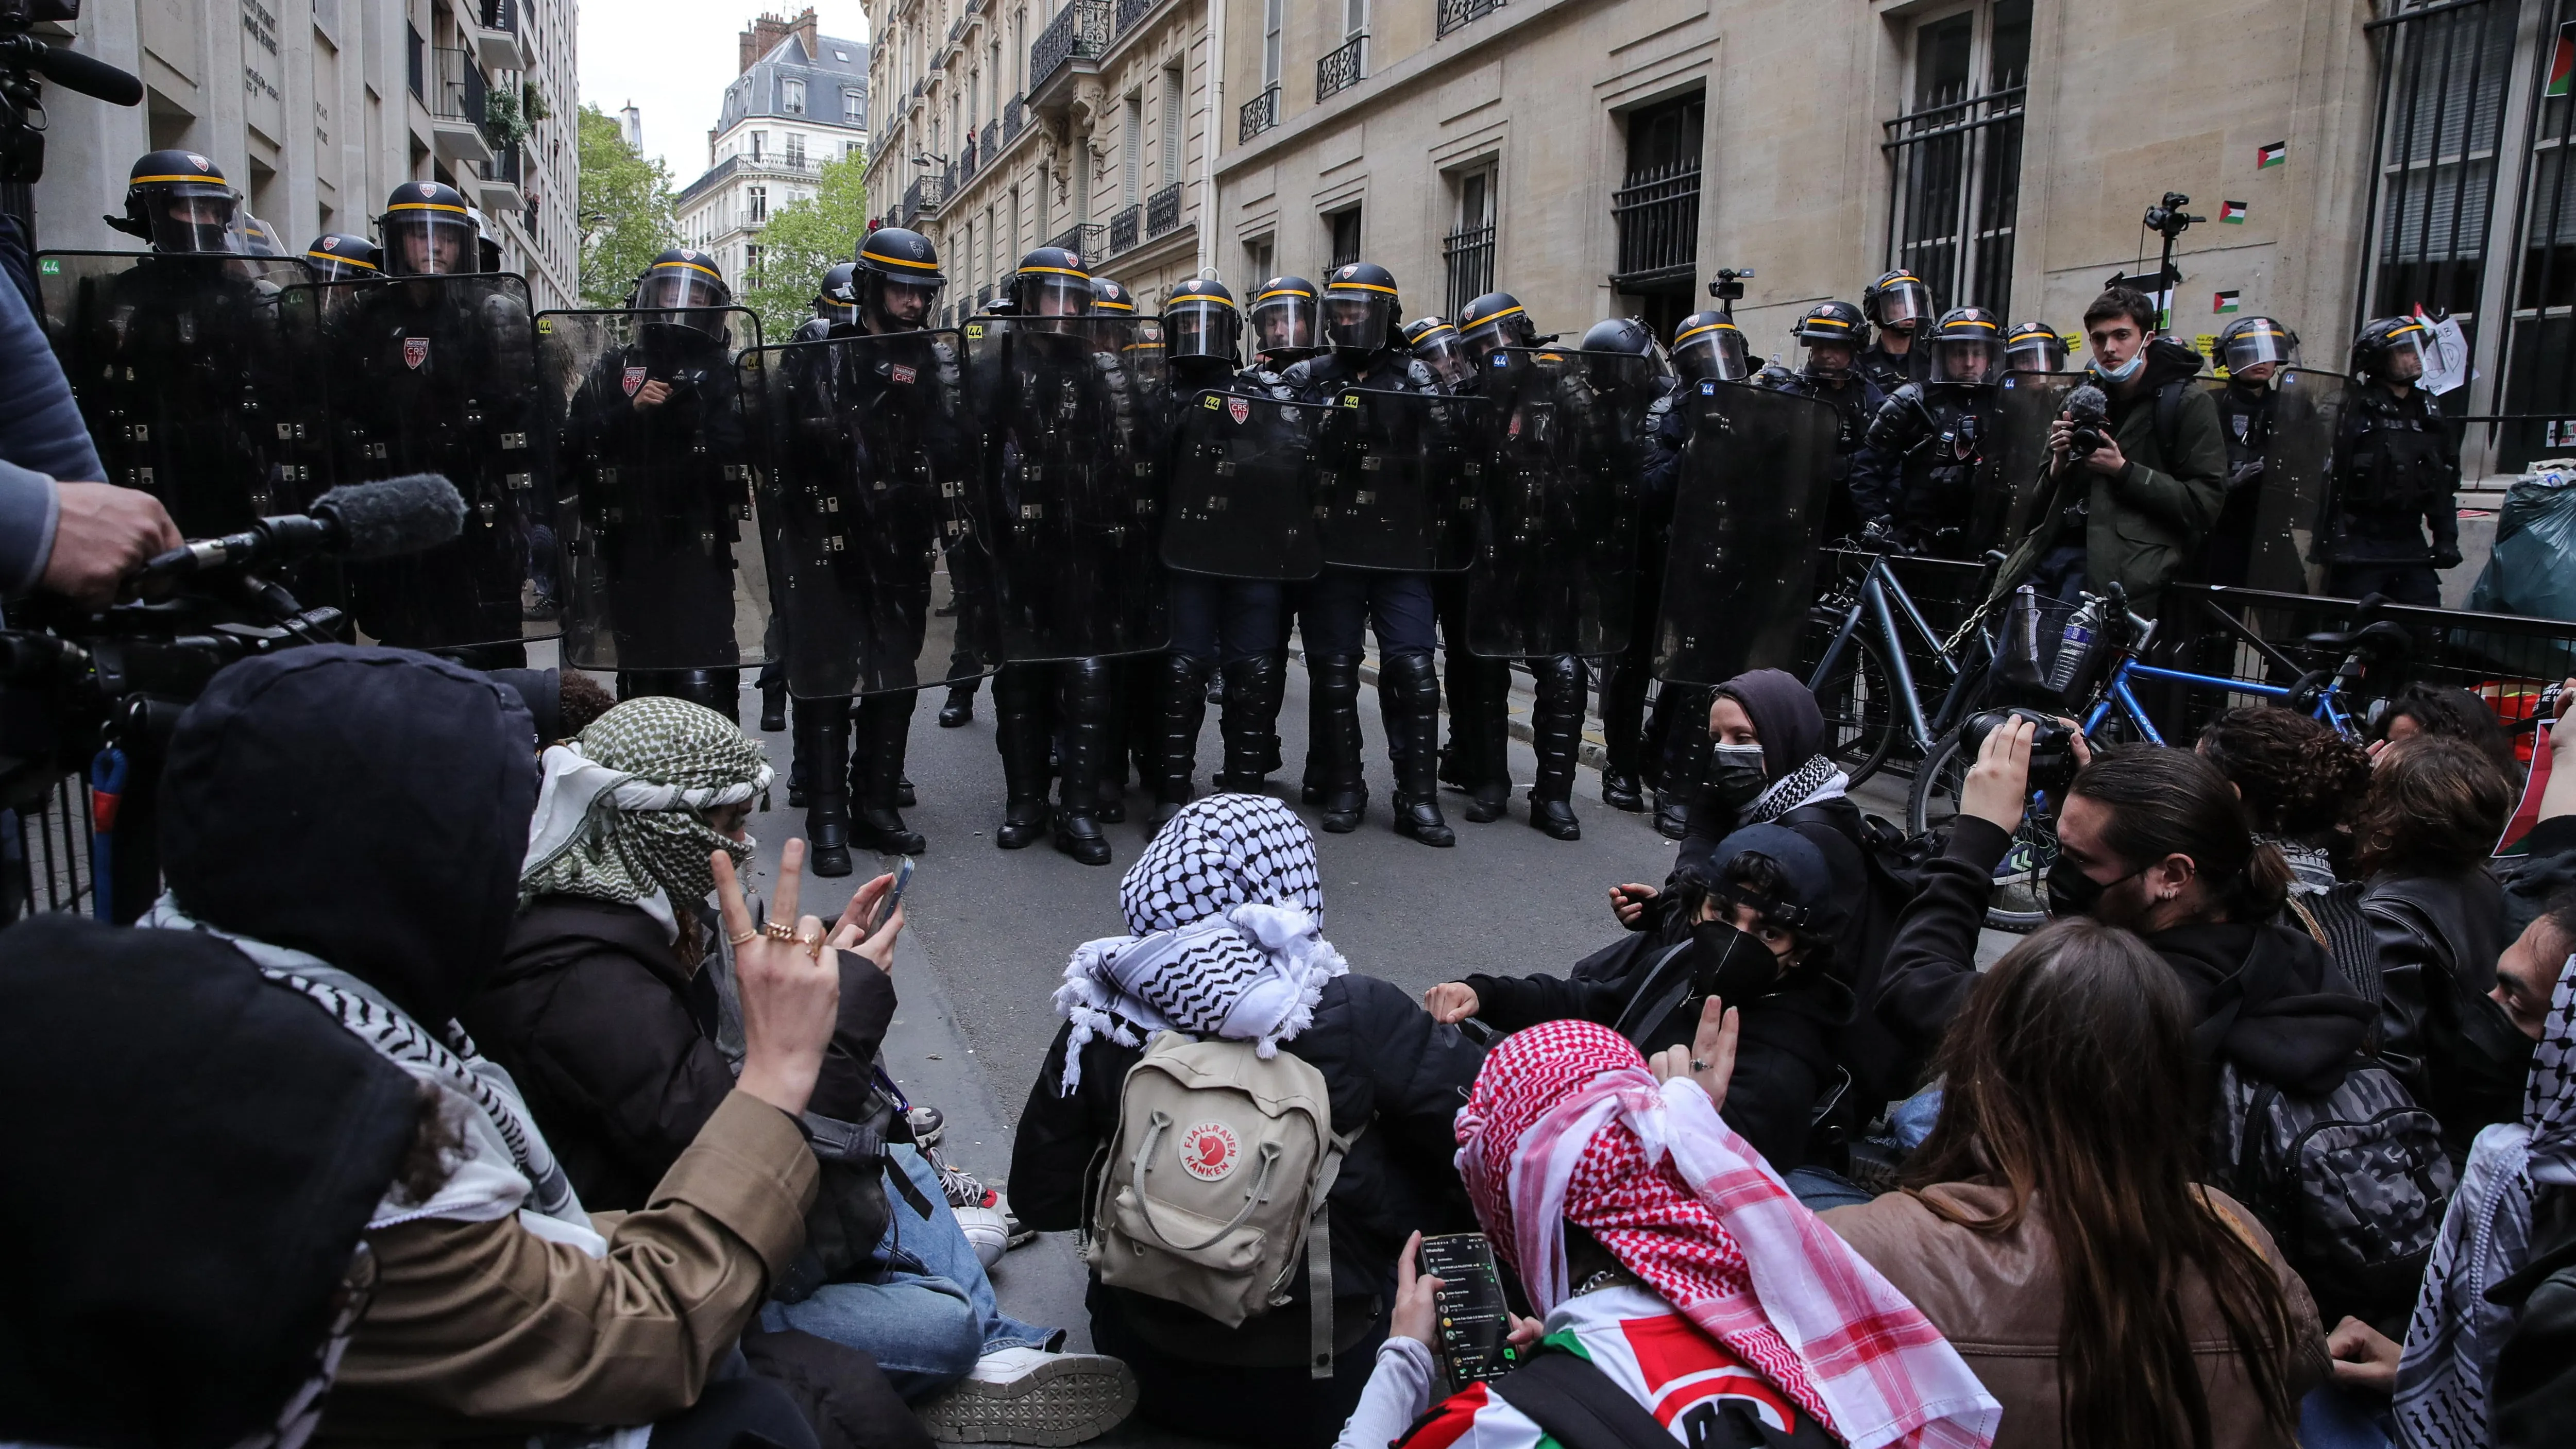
{"x":1474,"y":1322}
{"x":893,"y":896}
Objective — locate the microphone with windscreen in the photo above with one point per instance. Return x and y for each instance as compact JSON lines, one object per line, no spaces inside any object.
{"x":70,"y":69}
{"x":354,"y":521}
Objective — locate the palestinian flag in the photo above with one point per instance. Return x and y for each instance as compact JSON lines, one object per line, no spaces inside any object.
{"x":2232,"y":212}
{"x":2223,"y":302}
{"x":2275,"y":154}
{"x":2562,"y":60}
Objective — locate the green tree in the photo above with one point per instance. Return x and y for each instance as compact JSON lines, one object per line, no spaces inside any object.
{"x":626,"y":214}
{"x":803,"y":240}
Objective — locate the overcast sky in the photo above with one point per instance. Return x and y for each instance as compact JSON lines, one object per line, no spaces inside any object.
{"x":673,"y":59}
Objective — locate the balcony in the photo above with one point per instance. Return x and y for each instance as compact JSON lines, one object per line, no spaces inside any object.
{"x":1123,"y":229}
{"x":1657,"y":213}
{"x":922,"y":198}
{"x":1342,"y":68}
{"x":456,"y":108}
{"x":497,"y":42}
{"x":964,"y":168}
{"x":1080,"y":32}
{"x":1455,"y":13}
{"x":1015,"y":119}
{"x":1082,"y":239}
{"x":1163,"y":210}
{"x":1132,"y":11}
{"x":992,"y":143}
{"x":1258,"y":115}
{"x":500,"y":181}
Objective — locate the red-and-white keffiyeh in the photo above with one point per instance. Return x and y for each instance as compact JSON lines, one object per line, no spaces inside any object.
{"x":1565,"y":1122}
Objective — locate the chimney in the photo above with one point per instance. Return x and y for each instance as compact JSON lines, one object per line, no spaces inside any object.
{"x":808,"y":30}
{"x":762,"y":37}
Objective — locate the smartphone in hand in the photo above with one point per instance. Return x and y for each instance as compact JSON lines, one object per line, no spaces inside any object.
{"x":893,"y":896}
{"x":1475,"y":1322}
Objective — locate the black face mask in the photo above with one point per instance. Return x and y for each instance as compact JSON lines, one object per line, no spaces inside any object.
{"x":1735,"y":774}
{"x":2073,"y":893}
{"x":1733,"y":965}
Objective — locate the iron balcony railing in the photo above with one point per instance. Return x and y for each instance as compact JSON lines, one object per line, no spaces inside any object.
{"x":1079,"y":32}
{"x":1123,"y":229}
{"x":1657,"y":213}
{"x":1954,"y":176}
{"x":1163,"y":210}
{"x":1454,"y":13}
{"x":992,"y":143}
{"x":501,"y":15}
{"x":414,"y":59}
{"x":1342,"y":68}
{"x":504,"y":165}
{"x":964,"y":168}
{"x":1258,"y":115}
{"x":461,"y":89}
{"x":1131,"y":11}
{"x":984,"y":299}
{"x":923,"y":196}
{"x":1082,"y":239}
{"x":1014,"y":120}
{"x":1468,"y":256}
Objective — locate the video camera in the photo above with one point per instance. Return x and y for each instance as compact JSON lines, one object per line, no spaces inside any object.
{"x":2052,"y":746}
{"x":24,"y":62}
{"x":2089,"y":409}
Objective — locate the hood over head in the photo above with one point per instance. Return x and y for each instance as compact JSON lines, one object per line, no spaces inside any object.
{"x":2298,"y":1026}
{"x":1784,"y":714}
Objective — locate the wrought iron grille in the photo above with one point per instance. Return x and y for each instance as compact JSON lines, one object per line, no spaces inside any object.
{"x":1163,"y":210}
{"x":501,"y":15}
{"x":1131,"y":11}
{"x":2444,"y":74}
{"x":1468,"y":254}
{"x":1454,"y":13}
{"x":1657,"y":213}
{"x":1123,"y":229}
{"x":1079,"y":32}
{"x":48,"y":868}
{"x":1082,"y":239}
{"x":1955,"y":182}
{"x":1342,"y":68}
{"x":1258,"y":115}
{"x":992,"y":140}
{"x":1014,"y":119}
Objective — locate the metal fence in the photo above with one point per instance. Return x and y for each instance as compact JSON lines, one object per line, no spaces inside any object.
{"x":1014,"y":119}
{"x":1454,"y":13}
{"x":1163,"y":210}
{"x":1124,"y":227}
{"x":1467,"y":254}
{"x":1079,"y":32}
{"x":45,"y":859}
{"x":1131,"y":11}
{"x":1083,"y":239}
{"x":1955,"y":191}
{"x":461,"y":89}
{"x":1342,"y":67}
{"x":1257,"y":115}
{"x":1657,"y":213}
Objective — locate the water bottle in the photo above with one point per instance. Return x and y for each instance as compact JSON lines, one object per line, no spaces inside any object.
{"x":2020,"y":646}
{"x":2075,"y":649}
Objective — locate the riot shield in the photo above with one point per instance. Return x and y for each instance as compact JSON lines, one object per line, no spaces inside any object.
{"x":2012,"y":474}
{"x":182,"y":376}
{"x":435,"y":375}
{"x":1749,"y":518}
{"x":647,"y":462}
{"x":1068,"y":463}
{"x":1556,"y":538}
{"x":1241,"y":504}
{"x":868,"y":478}
{"x":1398,"y":480}
{"x":2298,"y":462}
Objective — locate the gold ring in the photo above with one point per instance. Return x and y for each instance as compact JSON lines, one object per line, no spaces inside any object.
{"x":780,"y":931}
{"x":738,"y":940}
{"x":813,"y":944}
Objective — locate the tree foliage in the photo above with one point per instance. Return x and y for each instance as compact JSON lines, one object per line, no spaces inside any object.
{"x":803,"y":240}
{"x":626,"y":214}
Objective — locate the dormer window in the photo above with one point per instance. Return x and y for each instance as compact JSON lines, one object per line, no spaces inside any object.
{"x":791,"y":96}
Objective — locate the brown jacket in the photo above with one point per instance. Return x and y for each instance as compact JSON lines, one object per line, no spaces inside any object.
{"x":1996,"y":1298}
{"x":478,"y":1330}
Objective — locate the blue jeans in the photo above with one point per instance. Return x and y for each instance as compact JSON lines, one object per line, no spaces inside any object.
{"x":926,"y":1310}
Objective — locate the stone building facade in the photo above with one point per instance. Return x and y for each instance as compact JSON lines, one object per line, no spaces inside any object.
{"x":800,"y":100}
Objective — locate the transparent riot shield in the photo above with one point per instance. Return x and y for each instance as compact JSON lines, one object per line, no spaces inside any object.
{"x":868,"y":483}
{"x":1397,"y":481}
{"x":647,"y":464}
{"x":1241,"y":500}
{"x":181,"y":372}
{"x":1749,"y":519}
{"x":2012,"y":476}
{"x":1068,"y":462}
{"x":1556,"y":541}
{"x":2298,"y":462}
{"x":435,"y":375}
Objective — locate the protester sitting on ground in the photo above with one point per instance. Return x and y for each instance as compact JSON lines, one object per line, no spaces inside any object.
{"x":1674,"y":1272}
{"x":2436,"y":709}
{"x":2298,"y":779}
{"x":2422,"y":836}
{"x":601,"y":1010}
{"x":2052,"y":1228}
{"x":1225,"y":915}
{"x":1762,"y":936}
{"x":351,"y":820}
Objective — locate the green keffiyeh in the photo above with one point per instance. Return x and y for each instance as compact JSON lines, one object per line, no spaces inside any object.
{"x":619,"y":814}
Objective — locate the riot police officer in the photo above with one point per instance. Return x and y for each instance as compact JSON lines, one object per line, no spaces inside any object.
{"x":1623,"y":686}
{"x":1435,"y":344}
{"x":1917,"y":477}
{"x":1831,"y":333}
{"x":836,"y":314}
{"x":336,"y":257}
{"x":1287,"y":318}
{"x":2396,"y":473}
{"x":178,"y":203}
{"x":836,"y":304}
{"x":1363,"y":350}
{"x":1899,"y":305}
{"x":2253,"y":350}
{"x":2034,"y":347}
{"x":1478,"y":759}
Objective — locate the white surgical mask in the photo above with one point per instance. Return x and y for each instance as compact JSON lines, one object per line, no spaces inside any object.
{"x":2125,"y":370}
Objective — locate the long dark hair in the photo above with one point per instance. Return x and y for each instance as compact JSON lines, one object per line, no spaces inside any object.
{"x":2172,"y":802}
{"x":2065,"y":1070}
{"x":2435,"y":805}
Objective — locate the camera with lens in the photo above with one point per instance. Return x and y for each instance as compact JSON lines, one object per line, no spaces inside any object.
{"x":2052,"y":746}
{"x":2089,"y":409}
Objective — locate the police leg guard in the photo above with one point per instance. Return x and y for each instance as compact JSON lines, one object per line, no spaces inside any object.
{"x":1417,"y":765}
{"x":1556,"y":733}
{"x":1623,"y":721}
{"x":1685,"y":750}
{"x":717,"y":689}
{"x":773,"y":697}
{"x":1252,"y":691}
{"x":1484,"y":731}
{"x":1274,"y":698}
{"x":1390,"y":714}
{"x":1020,"y":732}
{"x":885,"y":728}
{"x":1334,"y":754}
{"x":1084,"y":708}
{"x":1318,"y":757}
{"x":1183,"y":710}
{"x":823,"y":742}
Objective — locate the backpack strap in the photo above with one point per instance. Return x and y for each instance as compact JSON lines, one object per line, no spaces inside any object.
{"x":1319,"y":1258}
{"x":1666,"y":980}
{"x":1574,"y":1403}
{"x":2169,"y":417}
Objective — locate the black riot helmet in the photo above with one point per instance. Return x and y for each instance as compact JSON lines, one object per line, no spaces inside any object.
{"x":1200,"y":320}
{"x":1287,"y":318}
{"x":1360,"y":307}
{"x":1773,"y":376}
{"x":1898,"y":299}
{"x":1833,"y":324}
{"x":253,"y":237}
{"x":428,"y":232}
{"x":2390,"y":349}
{"x":1495,"y":320}
{"x":836,"y":297}
{"x":334,"y":257}
{"x":2249,"y":342}
{"x":1435,"y":344}
{"x":898,"y":279}
{"x":1111,"y":298}
{"x":1624,"y":335}
{"x":1051,"y":282}
{"x":1967,"y":348}
{"x":179,"y":202}
{"x":2034,"y":347}
{"x":683,"y":288}
{"x":1709,"y":345}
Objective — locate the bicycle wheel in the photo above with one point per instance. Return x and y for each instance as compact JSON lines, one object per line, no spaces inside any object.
{"x":2019,"y":899}
{"x":1858,"y":700}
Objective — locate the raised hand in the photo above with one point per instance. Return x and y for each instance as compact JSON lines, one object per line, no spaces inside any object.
{"x":790,"y":986}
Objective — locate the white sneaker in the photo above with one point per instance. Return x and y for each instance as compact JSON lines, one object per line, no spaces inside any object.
{"x":987,"y":1231}
{"x":1030,"y":1396}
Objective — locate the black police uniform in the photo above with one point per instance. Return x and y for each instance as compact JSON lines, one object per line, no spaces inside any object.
{"x":2245,"y":421}
{"x":2397,"y":469}
{"x":1856,"y":401}
{"x":1888,"y":371}
{"x":1917,"y":470}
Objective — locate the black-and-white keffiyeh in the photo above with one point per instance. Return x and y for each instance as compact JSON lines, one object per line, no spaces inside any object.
{"x":507,"y":1168}
{"x":2455,"y":1336}
{"x":1814,"y":782}
{"x":1227,"y":914}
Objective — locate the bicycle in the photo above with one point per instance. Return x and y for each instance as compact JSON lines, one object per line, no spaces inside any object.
{"x":1864,"y":681}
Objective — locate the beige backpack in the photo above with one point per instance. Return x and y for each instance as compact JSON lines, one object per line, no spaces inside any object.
{"x":1218,"y":1174}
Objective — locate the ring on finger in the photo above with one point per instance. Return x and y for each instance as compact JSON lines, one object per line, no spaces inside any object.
{"x":738,"y":939}
{"x":780,"y":931}
{"x":1697,"y":1065}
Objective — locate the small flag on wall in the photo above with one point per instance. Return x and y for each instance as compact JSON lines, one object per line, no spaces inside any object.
{"x":2562,"y":62}
{"x":2275,"y":154}
{"x":2232,"y":212}
{"x":2223,"y":302}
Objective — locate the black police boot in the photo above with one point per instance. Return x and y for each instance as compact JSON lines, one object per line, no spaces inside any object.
{"x":1310,"y":789}
{"x":1685,"y":751}
{"x":823,"y":728}
{"x":1556,"y":730}
{"x":717,"y":689}
{"x":1417,"y":791}
{"x":1020,"y":731}
{"x":1483,"y":714}
{"x":1083,"y":704}
{"x":885,"y":724}
{"x":904,"y":794}
{"x":1623,"y":721}
{"x":1390,"y":709}
{"x":960,"y":707}
{"x":1249,"y":684}
{"x":773,"y":697}
{"x":1184,"y":691}
{"x":1334,"y":754}
{"x":1273,"y":698}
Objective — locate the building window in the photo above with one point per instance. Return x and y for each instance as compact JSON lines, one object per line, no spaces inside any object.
{"x":1955,"y":155}
{"x":755,"y":204}
{"x":1273,"y":23}
{"x":1131,"y":148}
{"x":759,"y":140}
{"x":1468,"y":250}
{"x":1257,"y":257}
{"x":795,"y":148}
{"x":751,"y":266}
{"x":1345,"y":229}
{"x":853,"y":109}
{"x":850,"y":149}
{"x":1656,"y":208}
{"x":1174,"y":83}
{"x":791,"y":96}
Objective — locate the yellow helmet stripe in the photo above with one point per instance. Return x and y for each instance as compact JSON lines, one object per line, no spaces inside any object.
{"x":1055,"y":272}
{"x":1357,"y":287}
{"x":869,"y":256}
{"x":336,"y":257}
{"x":1281,"y":292}
{"x":1110,"y":304}
{"x":1827,"y":322}
{"x":149,"y":180}
{"x":1202,"y":297}
{"x":692,"y":266}
{"x":425,"y":206}
{"x":1705,"y":327}
{"x":1976,"y":322}
{"x":1497,"y":317}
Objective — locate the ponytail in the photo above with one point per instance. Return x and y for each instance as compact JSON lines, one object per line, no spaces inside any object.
{"x":2165,"y":802}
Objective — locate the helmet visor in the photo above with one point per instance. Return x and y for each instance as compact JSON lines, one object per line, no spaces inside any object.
{"x":1202,"y":327}
{"x":332,"y":267}
{"x":1286,"y":320}
{"x":420,"y":242}
{"x":1051,"y":294}
{"x":1711,"y":350}
{"x":1902,"y":301}
{"x":194,"y":216}
{"x":1510,"y":327}
{"x":1358,"y":320}
{"x":2036,"y":352}
{"x":2253,"y":346}
{"x":1442,"y":351}
{"x":2403,"y":354}
{"x":679,"y":288}
{"x":906,"y":304}
{"x":1965,"y":360}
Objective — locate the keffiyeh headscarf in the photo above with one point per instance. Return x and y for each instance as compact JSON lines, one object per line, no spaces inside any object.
{"x":1793,"y":735}
{"x":618,"y":812}
{"x":1226,"y":915}
{"x":2456,"y":1335}
{"x":1565,"y":1123}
